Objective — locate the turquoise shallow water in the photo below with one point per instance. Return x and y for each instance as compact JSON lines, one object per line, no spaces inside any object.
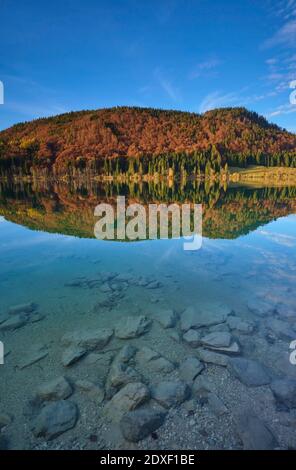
{"x":68,"y":278}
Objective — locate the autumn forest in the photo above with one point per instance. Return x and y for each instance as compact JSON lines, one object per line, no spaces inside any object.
{"x":128,"y":141}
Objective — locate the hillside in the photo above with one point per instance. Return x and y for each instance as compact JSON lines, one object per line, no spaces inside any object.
{"x":78,"y":139}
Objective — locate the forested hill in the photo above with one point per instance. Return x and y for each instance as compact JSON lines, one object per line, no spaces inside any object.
{"x":235,"y":135}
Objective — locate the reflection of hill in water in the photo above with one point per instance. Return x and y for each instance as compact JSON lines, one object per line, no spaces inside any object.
{"x":68,"y":208}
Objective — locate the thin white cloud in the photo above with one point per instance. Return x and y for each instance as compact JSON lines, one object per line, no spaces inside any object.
{"x":218,"y":100}
{"x":281,"y":110}
{"x":271,"y":61}
{"x":205,"y":68}
{"x":35,"y":110}
{"x":167,"y":86}
{"x":279,"y":238}
{"x":285,"y":9}
{"x":285,"y":36}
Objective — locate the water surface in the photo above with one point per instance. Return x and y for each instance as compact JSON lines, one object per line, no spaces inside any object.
{"x":247,"y":263}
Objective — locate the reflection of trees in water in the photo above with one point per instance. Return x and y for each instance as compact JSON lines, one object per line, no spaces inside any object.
{"x":69,"y":207}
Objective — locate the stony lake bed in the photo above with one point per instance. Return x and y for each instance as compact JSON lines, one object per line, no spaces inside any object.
{"x":144,"y":346}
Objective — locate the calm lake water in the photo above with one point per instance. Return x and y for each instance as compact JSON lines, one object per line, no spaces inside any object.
{"x":230,"y":305}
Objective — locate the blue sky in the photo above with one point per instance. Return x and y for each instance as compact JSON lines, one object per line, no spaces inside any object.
{"x":191,"y":55}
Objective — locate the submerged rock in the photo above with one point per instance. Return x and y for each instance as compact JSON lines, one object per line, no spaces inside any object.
{"x":5,"y":420}
{"x":166,"y":317}
{"x":260,"y":307}
{"x":88,"y":339}
{"x":216,"y":405}
{"x":128,"y":398}
{"x":201,"y":388}
{"x":95,"y":391}
{"x":284,"y":391}
{"x":208,"y":314}
{"x":170,"y":393}
{"x":148,"y":358}
{"x":232,"y":350}
{"x":190,"y":368}
{"x":286,"y":311}
{"x":153,"y":361}
{"x":281,"y":329}
{"x":212,"y":357}
{"x":3,"y":317}
{"x":126,"y":353}
{"x":125,"y":277}
{"x":240,"y":325}
{"x":55,"y":419}
{"x":161,"y":365}
{"x":131,"y":327}
{"x":72,"y":355}
{"x":105,"y":289}
{"x":217,"y":339}
{"x":120,"y":374}
{"x":146,"y":354}
{"x":284,"y":366}
{"x":153,"y":285}
{"x":22,"y":308}
{"x":101,"y":360}
{"x":192,"y":338}
{"x":254,"y":434}
{"x":36,"y":354}
{"x":56,"y":389}
{"x":221,"y":327}
{"x":249,"y":372}
{"x":138,"y":424}
{"x":174,"y":335}
{"x":108,"y":276}
{"x":13,"y":323}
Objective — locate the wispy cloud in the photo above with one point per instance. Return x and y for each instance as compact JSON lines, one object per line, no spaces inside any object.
{"x":279,"y":238}
{"x":281,"y":110}
{"x":167,"y":86}
{"x":205,"y":68}
{"x":284,"y":8}
{"x":36,"y":100}
{"x":281,"y":71}
{"x":218,"y":100}
{"x":35,"y":110}
{"x":285,"y":36}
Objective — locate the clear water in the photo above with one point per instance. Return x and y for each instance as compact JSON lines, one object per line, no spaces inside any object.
{"x":248,"y":256}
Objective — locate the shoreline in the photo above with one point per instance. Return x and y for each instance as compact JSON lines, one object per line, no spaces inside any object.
{"x":252,"y":175}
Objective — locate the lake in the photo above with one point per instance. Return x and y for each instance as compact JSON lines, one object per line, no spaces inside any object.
{"x":97,"y":331}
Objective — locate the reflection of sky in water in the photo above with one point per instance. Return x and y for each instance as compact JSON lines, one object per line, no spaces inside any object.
{"x":37,"y":266}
